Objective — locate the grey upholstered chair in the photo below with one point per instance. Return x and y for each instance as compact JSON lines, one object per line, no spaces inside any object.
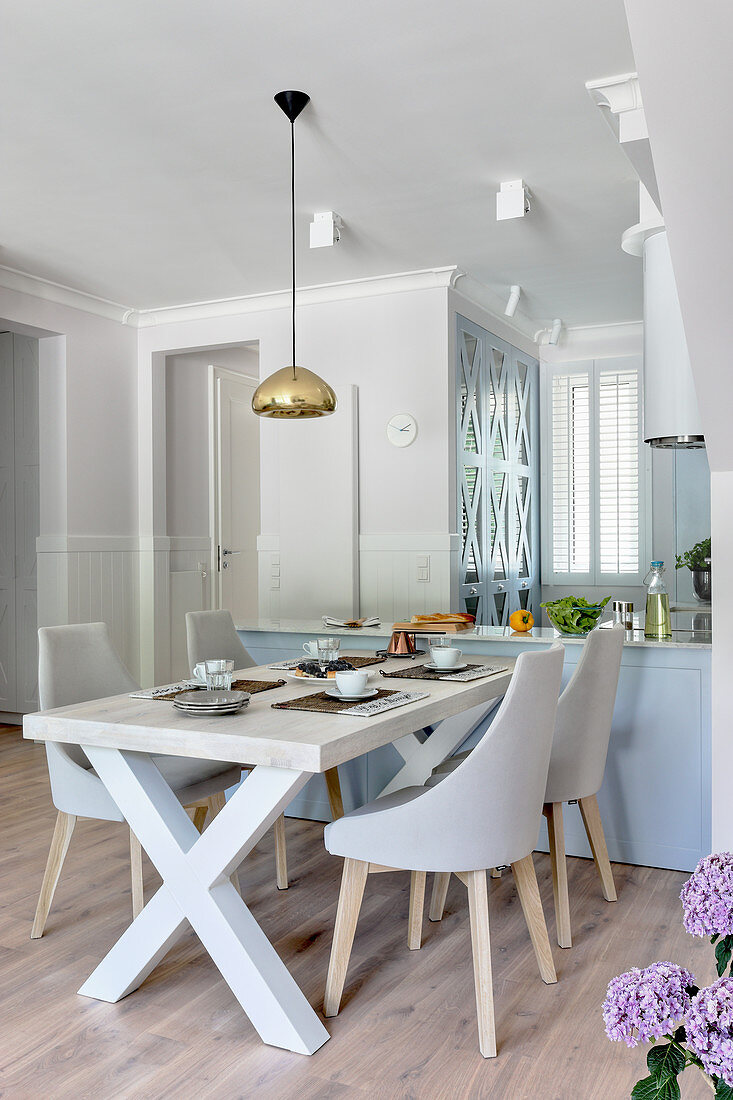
{"x":211,"y":635}
{"x":75,"y":664}
{"x":487,"y":812}
{"x":577,"y":764}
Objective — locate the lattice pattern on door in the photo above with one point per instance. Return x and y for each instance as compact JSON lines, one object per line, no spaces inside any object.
{"x":498,"y":476}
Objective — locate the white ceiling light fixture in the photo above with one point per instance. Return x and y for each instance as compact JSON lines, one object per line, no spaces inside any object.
{"x":325,"y":229}
{"x":555,"y":331}
{"x":512,"y":201}
{"x":515,"y":293}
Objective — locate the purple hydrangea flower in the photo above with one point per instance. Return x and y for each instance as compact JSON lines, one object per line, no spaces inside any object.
{"x":646,"y":1004}
{"x":709,"y":1027}
{"x":707,"y":897}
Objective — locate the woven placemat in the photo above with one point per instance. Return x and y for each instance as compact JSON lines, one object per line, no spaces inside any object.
{"x":419,"y":672}
{"x":324,"y":703}
{"x":251,"y":686}
{"x":356,"y":661}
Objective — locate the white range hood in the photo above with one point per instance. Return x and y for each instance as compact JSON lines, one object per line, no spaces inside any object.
{"x":671,"y":416}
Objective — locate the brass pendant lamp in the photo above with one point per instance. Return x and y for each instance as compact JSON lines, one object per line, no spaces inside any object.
{"x":293,"y":391}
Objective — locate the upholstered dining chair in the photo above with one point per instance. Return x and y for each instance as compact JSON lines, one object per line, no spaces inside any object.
{"x":211,"y":635}
{"x":487,"y":812}
{"x":577,"y":764}
{"x":76,"y":664}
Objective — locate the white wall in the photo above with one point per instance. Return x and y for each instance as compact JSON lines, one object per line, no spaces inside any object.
{"x":88,"y":560}
{"x":394,"y":348}
{"x":682,"y":56}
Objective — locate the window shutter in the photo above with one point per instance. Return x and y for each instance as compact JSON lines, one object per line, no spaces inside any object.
{"x":571,"y":473}
{"x":618,"y":471}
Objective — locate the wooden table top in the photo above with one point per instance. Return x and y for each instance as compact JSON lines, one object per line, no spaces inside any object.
{"x":259,"y":734}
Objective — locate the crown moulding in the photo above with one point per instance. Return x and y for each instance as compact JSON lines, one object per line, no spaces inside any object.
{"x":447,"y":278}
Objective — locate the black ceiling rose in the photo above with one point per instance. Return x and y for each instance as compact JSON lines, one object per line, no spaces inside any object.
{"x":292,"y":103}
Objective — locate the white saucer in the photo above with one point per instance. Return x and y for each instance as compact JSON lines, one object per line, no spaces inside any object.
{"x":368,"y":694}
{"x":441,"y":668}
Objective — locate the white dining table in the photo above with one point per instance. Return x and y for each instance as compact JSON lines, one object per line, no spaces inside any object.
{"x":285,"y":748}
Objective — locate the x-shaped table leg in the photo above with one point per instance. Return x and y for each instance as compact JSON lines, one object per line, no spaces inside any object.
{"x":196,"y":889}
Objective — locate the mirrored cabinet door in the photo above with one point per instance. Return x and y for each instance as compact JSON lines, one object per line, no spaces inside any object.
{"x":498,"y":476}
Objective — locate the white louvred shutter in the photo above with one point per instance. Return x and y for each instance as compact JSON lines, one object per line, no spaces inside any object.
{"x":571,"y":472}
{"x":618,"y":471}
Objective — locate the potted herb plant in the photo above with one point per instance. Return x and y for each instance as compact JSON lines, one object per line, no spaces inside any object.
{"x":697,"y":560}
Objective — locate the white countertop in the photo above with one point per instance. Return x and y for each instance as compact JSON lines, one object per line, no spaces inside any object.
{"x":681,"y":639}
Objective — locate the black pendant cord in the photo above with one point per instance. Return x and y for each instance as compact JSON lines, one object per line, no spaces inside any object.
{"x":292,"y":225}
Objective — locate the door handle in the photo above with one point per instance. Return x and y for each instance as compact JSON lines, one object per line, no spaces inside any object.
{"x":231,"y":551}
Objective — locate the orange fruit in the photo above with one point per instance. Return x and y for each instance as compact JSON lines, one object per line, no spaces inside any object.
{"x":521,"y":621}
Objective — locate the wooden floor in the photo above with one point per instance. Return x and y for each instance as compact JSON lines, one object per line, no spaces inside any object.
{"x":407,"y":1027}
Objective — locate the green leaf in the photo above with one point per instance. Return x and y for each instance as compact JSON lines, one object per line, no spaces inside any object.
{"x":651,"y":1088}
{"x":722,"y":1091}
{"x":665,"y":1061}
{"x":723,"y":951}
{"x":714,"y":939}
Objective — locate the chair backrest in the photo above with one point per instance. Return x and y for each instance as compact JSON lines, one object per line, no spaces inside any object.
{"x":584,"y":716}
{"x":487,"y":812}
{"x":77,"y":663}
{"x":211,"y":635}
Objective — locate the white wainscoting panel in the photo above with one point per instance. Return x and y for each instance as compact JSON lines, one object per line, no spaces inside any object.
{"x":405,"y":574}
{"x":93,"y":580}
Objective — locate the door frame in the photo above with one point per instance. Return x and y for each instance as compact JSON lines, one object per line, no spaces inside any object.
{"x":216,"y":373}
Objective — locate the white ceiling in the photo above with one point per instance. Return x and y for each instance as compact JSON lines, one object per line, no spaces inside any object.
{"x":145,"y":161}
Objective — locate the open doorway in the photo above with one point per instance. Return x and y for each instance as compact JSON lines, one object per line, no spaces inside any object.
{"x":212,"y":486}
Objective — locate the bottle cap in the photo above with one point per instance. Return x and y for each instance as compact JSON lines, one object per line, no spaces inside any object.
{"x":657,"y":563}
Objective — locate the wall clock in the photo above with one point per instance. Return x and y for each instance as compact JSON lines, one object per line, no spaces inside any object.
{"x":402,"y":430}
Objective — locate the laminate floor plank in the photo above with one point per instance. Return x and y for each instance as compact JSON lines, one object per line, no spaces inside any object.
{"x":407,"y":1027}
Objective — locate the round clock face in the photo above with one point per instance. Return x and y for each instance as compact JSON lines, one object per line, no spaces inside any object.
{"x":402,"y":430}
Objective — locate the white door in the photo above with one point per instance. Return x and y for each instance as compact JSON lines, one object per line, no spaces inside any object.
{"x":235,"y":493}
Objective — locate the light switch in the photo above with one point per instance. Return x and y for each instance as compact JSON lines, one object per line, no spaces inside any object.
{"x":275,"y":571}
{"x":423,"y":567}
{"x":275,"y":582}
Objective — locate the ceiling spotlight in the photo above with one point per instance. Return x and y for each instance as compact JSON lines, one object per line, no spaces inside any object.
{"x":514,"y":295}
{"x":512,"y":201}
{"x":555,"y":331}
{"x":325,"y":229}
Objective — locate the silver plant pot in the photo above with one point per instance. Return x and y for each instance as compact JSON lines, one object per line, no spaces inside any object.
{"x":701,"y":584}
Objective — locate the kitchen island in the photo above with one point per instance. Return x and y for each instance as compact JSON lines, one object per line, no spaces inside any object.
{"x":655,"y":798}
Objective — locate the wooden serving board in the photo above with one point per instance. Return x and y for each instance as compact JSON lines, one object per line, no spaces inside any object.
{"x":439,"y":627}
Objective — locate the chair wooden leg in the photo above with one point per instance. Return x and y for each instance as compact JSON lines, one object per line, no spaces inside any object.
{"x":529,"y":896}
{"x":478,"y":908}
{"x":417,"y":903}
{"x":594,"y":828}
{"x":281,"y":853}
{"x":136,"y":873}
{"x":215,"y":803}
{"x":63,"y":829}
{"x":199,"y":817}
{"x":440,"y":890}
{"x":353,"y":882}
{"x":556,"y":834}
{"x":333,"y":787}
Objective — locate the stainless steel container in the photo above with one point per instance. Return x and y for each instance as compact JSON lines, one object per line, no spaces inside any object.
{"x":623,"y":612}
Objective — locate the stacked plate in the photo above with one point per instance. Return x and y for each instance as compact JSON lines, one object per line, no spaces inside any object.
{"x":209,"y":703}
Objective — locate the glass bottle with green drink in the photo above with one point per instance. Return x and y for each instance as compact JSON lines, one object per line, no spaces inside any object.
{"x":657,"y":623}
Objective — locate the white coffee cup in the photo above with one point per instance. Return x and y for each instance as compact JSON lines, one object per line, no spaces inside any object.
{"x":445,"y":656}
{"x":352,"y":681}
{"x":311,"y":648}
{"x":199,"y":672}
